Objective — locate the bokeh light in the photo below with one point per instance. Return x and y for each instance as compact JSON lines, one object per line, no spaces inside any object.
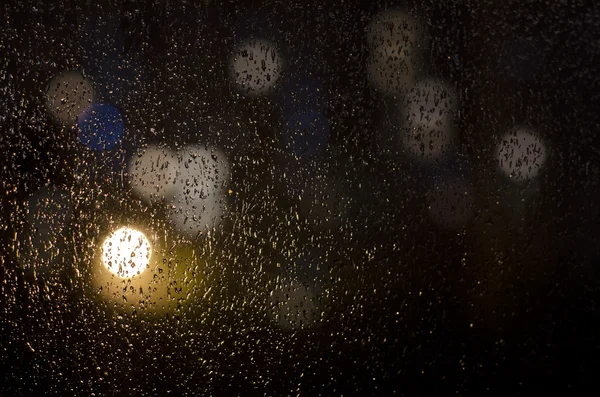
{"x":291,"y":198}
{"x":394,"y":39}
{"x":521,"y":154}
{"x":68,"y":95}
{"x":256,"y":66}
{"x":306,"y":133}
{"x":152,"y":173}
{"x":101,"y":127}
{"x":171,"y":276}
{"x":199,"y":190}
{"x":428,"y":110}
{"x":126,"y":252}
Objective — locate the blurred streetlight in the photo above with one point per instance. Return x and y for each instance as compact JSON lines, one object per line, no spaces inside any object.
{"x":126,"y":252}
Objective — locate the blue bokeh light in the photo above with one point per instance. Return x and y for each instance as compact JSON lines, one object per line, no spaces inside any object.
{"x":306,"y":133}
{"x":101,"y":127}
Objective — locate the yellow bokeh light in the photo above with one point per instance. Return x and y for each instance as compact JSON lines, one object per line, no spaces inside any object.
{"x":126,"y":252}
{"x":134,"y":271}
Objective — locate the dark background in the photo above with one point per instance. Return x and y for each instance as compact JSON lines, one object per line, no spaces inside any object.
{"x":505,"y":306}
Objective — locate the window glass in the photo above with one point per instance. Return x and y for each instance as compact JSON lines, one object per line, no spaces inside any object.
{"x":299,"y":198}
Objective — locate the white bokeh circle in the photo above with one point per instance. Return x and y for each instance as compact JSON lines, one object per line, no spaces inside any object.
{"x":255,"y":66}
{"x":199,"y":190}
{"x":428,"y":113}
{"x":394,"y":39}
{"x":68,"y":95}
{"x":126,"y":252}
{"x":521,"y":154}
{"x":152,"y":173}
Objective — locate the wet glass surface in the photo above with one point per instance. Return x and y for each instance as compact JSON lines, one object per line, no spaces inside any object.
{"x":299,"y":198}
